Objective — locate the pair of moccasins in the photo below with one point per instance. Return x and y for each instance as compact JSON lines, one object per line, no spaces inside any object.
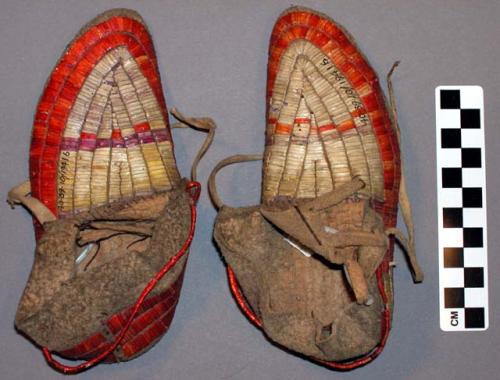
{"x":311,"y":265}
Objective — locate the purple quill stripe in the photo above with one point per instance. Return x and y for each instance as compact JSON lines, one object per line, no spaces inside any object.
{"x":145,"y":137}
{"x":103,"y":143}
{"x":88,"y":145}
{"x":70,"y":144}
{"x":74,"y":144}
{"x":131,"y":140}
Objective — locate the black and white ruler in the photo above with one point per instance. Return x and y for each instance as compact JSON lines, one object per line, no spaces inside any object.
{"x":461,"y":176}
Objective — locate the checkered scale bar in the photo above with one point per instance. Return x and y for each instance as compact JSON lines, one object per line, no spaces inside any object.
{"x":461,"y":177}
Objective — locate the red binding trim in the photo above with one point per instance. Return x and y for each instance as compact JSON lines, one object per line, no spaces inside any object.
{"x":240,"y":298}
{"x":194,"y":189}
